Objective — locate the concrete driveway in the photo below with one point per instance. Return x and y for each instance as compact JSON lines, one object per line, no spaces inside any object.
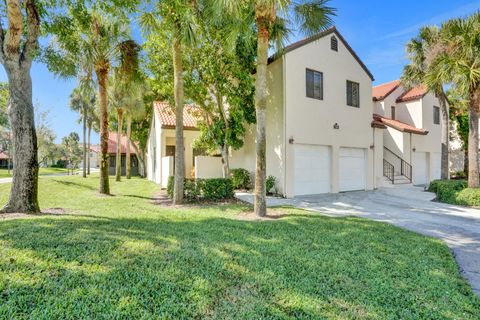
{"x":410,"y":208}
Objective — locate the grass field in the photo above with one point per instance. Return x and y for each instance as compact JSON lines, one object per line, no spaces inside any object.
{"x":122,"y":257}
{"x":41,"y":172}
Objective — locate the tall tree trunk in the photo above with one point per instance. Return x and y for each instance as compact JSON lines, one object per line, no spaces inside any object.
{"x":465,"y":160}
{"x":10,"y":153}
{"x":473,"y":178}
{"x":141,"y":161}
{"x":24,"y":189}
{"x":445,"y":170}
{"x":261,"y":96}
{"x":118,"y":162}
{"x":179,"y":145}
{"x":102,"y":84}
{"x":224,"y":148}
{"x":128,"y":163}
{"x":89,"y":148}
{"x":84,"y":142}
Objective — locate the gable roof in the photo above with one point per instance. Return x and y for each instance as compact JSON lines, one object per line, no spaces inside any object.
{"x":301,"y":43}
{"x":383,"y":90}
{"x":167,"y":116}
{"x":4,"y":155}
{"x":415,"y":93}
{"x":398,"y":125}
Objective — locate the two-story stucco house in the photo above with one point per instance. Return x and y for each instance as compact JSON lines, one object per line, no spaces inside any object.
{"x":319,"y":119}
{"x":412,"y":139}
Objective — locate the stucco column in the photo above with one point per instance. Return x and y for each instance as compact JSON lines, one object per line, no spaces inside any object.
{"x":289,"y":169}
{"x":335,"y":168}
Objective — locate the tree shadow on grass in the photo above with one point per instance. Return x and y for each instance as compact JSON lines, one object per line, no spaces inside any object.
{"x":304,"y":266}
{"x":74,"y":184}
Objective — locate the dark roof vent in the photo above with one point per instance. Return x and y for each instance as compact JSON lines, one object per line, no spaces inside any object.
{"x":334,"y":43}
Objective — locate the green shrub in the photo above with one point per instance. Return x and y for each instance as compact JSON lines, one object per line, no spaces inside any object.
{"x":204,"y":189}
{"x":270,"y":184}
{"x":171,"y":181}
{"x":469,"y":197}
{"x":447,"y":191}
{"x":240,"y":178}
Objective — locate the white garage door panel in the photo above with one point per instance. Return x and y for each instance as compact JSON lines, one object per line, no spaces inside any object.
{"x":352,"y":169}
{"x":312,"y":169}
{"x":437,"y":165}
{"x":419,"y":168}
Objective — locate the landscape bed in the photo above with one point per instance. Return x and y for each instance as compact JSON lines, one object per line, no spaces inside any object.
{"x":125,"y":257}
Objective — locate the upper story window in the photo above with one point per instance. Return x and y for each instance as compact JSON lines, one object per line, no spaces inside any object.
{"x":353,"y":94}
{"x":314,"y":84}
{"x":393,"y":112}
{"x":436,"y":115}
{"x":334,"y":43}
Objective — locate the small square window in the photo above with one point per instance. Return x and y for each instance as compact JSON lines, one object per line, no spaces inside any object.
{"x":314,"y":81}
{"x":436,"y":115}
{"x":353,"y":94}
{"x":334,"y":43}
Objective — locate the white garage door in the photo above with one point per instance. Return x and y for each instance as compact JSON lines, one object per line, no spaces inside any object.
{"x":312,"y":169}
{"x":419,"y":168}
{"x":352,"y":169}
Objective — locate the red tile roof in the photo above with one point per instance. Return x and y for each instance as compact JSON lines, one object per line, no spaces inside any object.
{"x":380,"y":92}
{"x":413,"y":94}
{"x":167,"y":115}
{"x":398,"y":125}
{"x":3,"y":155}
{"x":112,"y":143}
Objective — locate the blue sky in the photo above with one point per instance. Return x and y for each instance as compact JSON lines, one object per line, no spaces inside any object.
{"x":376,"y":29}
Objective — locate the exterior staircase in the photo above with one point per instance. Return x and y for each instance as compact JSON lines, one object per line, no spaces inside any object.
{"x":400,"y":175}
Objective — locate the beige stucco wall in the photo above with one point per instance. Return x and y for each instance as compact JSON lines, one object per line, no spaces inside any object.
{"x":311,"y":121}
{"x":245,"y":157}
{"x":168,"y":138}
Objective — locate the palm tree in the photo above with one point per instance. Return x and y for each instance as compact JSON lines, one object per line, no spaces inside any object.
{"x":107,"y":33}
{"x":458,"y":62}
{"x":422,"y":50}
{"x":179,"y":17}
{"x":272,"y":18}
{"x":117,"y":97}
{"x":78,"y":104}
{"x":135,"y":109}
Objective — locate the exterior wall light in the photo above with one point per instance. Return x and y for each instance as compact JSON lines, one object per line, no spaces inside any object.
{"x":372,"y":146}
{"x":336,"y":126}
{"x":291,"y":140}
{"x":414,"y":149}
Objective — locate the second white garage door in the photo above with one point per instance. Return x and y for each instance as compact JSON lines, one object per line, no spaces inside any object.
{"x":352,"y":169}
{"x":312,"y":169}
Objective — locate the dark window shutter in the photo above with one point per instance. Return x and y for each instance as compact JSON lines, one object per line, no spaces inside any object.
{"x":309,"y":81}
{"x":317,"y":89}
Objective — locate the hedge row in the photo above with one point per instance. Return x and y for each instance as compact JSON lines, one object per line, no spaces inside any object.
{"x":455,"y":192}
{"x":204,"y":189}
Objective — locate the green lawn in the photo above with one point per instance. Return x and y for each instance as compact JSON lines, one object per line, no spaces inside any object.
{"x":41,"y":172}
{"x":122,"y":257}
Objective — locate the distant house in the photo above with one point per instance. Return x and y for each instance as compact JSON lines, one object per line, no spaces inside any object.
{"x":112,"y":152}
{"x":4,"y":160}
{"x":161,"y":142}
{"x":94,"y":151}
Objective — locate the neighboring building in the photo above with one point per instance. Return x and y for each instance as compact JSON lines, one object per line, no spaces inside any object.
{"x":161,"y":142}
{"x":94,"y":152}
{"x":412,"y":139}
{"x":112,"y":153}
{"x":321,"y":137}
{"x":4,"y":160}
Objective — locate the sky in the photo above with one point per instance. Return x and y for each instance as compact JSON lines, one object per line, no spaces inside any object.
{"x":376,"y":29}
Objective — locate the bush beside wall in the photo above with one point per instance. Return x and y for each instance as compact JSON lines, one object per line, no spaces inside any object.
{"x":455,"y":192}
{"x":240,"y":179}
{"x":204,"y":189}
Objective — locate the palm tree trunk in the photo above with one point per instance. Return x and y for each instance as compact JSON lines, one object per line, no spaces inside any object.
{"x":84,"y":142}
{"x":127,"y":160}
{"x":89,"y":148}
{"x":179,"y":96}
{"x":445,"y":171}
{"x":118,"y":162}
{"x":24,"y":189}
{"x":473,"y":178}
{"x":102,"y":84}
{"x":261,"y":95}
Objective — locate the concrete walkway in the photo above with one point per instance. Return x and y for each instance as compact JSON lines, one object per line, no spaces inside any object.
{"x":407,"y":207}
